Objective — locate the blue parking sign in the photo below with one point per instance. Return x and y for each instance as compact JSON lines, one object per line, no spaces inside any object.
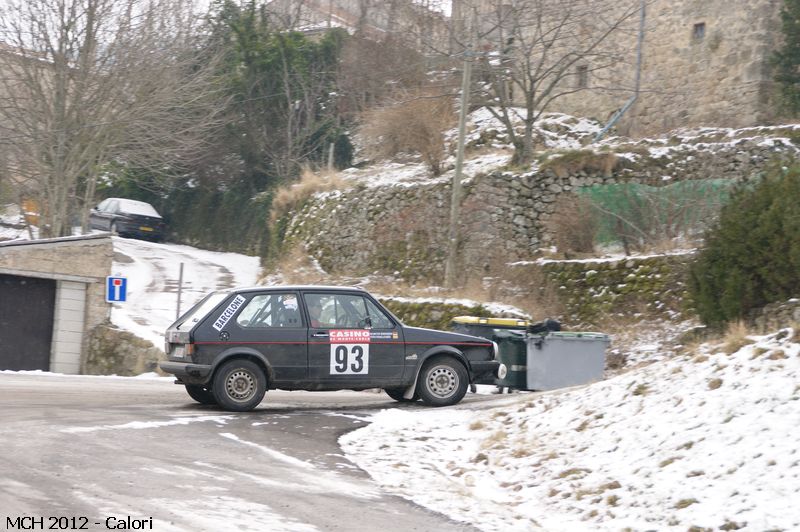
{"x":116,"y":289}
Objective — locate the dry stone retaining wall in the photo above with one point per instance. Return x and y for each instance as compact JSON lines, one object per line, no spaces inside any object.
{"x":402,"y":230}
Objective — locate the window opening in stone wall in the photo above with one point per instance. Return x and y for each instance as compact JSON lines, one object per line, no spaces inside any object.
{"x":583,"y":76}
{"x":699,"y":31}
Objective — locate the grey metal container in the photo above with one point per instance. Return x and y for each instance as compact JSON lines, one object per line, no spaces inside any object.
{"x":561,"y":359}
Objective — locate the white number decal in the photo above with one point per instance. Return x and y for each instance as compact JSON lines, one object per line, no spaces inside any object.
{"x":349,"y":359}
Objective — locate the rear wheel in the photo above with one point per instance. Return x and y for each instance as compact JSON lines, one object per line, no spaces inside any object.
{"x":201,"y":394}
{"x":239,"y":385}
{"x":443,"y":381}
{"x":397,"y":395}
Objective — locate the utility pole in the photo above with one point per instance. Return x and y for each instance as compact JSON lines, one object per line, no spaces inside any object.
{"x":455,"y":197}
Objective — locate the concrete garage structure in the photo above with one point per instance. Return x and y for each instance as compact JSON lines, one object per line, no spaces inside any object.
{"x":52,"y":296}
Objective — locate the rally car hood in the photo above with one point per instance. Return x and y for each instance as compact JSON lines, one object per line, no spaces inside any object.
{"x":418,"y":334}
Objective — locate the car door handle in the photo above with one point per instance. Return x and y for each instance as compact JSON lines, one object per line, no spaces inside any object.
{"x":319,"y":335}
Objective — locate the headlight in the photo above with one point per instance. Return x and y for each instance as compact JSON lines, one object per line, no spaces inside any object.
{"x":502,"y":371}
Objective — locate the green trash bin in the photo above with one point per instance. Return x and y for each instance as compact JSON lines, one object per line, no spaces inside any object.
{"x":510,"y":336}
{"x":513,"y":352}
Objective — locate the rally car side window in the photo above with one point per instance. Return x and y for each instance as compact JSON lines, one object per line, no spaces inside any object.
{"x":378,"y":318}
{"x":339,"y":311}
{"x":270,"y":310}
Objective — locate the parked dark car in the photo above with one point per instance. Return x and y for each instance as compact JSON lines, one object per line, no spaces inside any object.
{"x":233,"y":346}
{"x":127,"y":217}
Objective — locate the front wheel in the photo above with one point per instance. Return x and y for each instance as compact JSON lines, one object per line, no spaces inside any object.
{"x":443,"y":381}
{"x":201,"y":394}
{"x":239,"y":385}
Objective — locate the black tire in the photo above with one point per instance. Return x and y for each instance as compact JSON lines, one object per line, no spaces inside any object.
{"x":443,"y":381}
{"x":239,"y":385}
{"x":201,"y":394}
{"x":397,"y":395}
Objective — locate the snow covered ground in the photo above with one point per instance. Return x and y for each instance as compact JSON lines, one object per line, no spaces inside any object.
{"x":703,"y":440}
{"x":153,"y":271}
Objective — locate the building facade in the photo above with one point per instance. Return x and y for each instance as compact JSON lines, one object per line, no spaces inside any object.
{"x":703,"y":62}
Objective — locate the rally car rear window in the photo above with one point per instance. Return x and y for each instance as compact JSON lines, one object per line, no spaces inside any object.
{"x":200,"y":311}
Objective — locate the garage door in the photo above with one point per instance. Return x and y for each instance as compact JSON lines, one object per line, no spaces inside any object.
{"x":26,"y":322}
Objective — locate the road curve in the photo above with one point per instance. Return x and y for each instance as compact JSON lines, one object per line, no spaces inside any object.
{"x":100,"y":448}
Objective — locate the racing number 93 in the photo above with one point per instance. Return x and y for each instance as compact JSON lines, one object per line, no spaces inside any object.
{"x":349,"y":352}
{"x":349,"y":359}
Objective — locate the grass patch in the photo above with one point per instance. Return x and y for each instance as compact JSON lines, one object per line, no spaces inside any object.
{"x":570,"y":162}
{"x":735,"y":337}
{"x":573,"y":472}
{"x":292,"y":197}
{"x":685,"y":503}
{"x":641,"y":389}
{"x":668,"y":461}
{"x":732,"y":525}
{"x":480,"y":458}
{"x":778,"y":354}
{"x":521,"y":452}
{"x":612,"y":500}
{"x":495,"y":439}
{"x":582,"y":426}
{"x":713,"y":384}
{"x":613,"y":485}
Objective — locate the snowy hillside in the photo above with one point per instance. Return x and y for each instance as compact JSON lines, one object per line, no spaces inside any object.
{"x":703,"y":440}
{"x":153,"y":272}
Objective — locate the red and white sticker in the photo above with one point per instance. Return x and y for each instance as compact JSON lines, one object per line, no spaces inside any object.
{"x":349,"y":352}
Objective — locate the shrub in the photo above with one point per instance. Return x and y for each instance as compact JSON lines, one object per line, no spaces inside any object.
{"x":414,"y":125}
{"x":752,"y":254}
{"x":573,"y":225}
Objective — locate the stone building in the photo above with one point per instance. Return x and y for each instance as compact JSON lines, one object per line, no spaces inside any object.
{"x":703,"y":62}
{"x":52,"y":297}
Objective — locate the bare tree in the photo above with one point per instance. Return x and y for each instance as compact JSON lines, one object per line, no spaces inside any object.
{"x":370,"y":72}
{"x":535,"y":52}
{"x":86,"y":82}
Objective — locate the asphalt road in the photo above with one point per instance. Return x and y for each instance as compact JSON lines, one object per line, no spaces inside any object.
{"x":104,"y":452}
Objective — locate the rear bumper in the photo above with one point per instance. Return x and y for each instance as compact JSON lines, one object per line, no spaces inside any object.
{"x":188,"y":373}
{"x":136,"y":229}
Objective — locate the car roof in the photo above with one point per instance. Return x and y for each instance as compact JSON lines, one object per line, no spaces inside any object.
{"x":304,"y":288}
{"x":137,"y":207}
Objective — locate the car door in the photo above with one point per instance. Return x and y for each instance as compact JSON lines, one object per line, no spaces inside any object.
{"x":351,"y":342}
{"x":271,"y":324}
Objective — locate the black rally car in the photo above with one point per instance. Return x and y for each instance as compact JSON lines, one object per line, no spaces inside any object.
{"x":234,"y":345}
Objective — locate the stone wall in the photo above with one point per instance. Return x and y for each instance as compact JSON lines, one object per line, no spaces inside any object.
{"x":402,"y":230}
{"x":776,"y":316}
{"x":112,"y":351}
{"x":598,"y":291}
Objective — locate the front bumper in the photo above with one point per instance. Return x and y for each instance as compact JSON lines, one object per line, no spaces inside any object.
{"x":188,"y":373}
{"x":487,"y":371}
